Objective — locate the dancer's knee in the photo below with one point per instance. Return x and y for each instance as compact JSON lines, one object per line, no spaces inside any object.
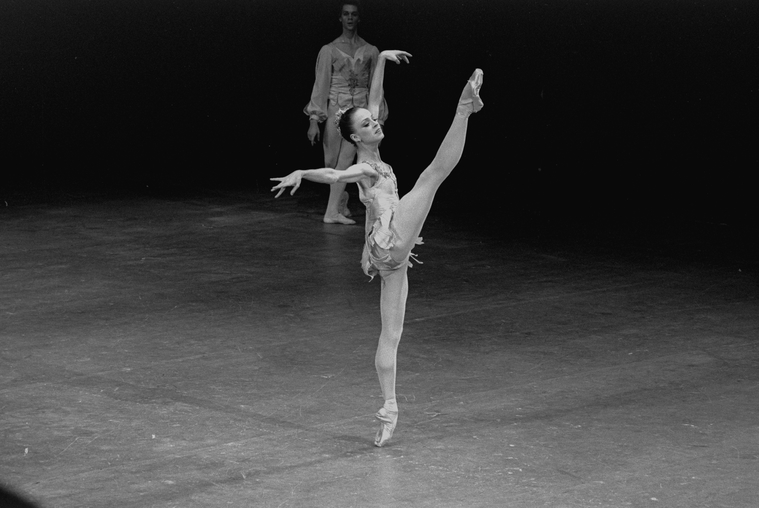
{"x":431,"y":179}
{"x":391,"y":338}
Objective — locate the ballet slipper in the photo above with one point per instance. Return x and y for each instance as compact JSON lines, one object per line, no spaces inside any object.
{"x":338,"y":219}
{"x":388,"y":421}
{"x":470,"y":101}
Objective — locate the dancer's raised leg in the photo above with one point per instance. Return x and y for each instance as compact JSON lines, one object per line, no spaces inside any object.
{"x":393,"y":311}
{"x":413,"y":208}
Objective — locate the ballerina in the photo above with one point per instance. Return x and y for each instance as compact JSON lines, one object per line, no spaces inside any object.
{"x":393,"y":224}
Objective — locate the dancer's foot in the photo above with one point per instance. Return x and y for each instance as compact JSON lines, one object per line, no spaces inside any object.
{"x":470,"y":101}
{"x":388,"y":420}
{"x":343,"y":205}
{"x":338,"y":219}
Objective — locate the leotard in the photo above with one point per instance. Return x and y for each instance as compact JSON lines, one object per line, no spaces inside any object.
{"x":381,"y":201}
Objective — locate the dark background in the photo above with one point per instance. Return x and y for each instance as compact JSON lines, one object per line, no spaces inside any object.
{"x":593,"y":108}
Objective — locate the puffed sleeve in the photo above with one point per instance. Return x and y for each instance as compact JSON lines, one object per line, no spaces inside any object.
{"x":383,"y":109}
{"x":317,"y":107}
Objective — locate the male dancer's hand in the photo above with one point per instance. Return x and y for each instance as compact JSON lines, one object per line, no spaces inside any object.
{"x":313,"y":132}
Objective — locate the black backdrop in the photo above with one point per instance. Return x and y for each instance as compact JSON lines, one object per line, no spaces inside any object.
{"x":634,"y":107}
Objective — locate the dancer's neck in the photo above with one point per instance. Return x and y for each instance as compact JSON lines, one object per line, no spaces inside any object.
{"x":349,"y":37}
{"x":369,"y":153}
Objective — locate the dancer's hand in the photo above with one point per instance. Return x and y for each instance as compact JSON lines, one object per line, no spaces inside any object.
{"x":395,"y":55}
{"x":292,"y":180}
{"x":313,"y":133}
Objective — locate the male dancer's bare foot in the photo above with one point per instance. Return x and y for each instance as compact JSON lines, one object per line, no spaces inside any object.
{"x":343,"y":206}
{"x":338,"y":219}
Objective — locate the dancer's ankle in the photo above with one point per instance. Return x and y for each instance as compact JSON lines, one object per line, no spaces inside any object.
{"x":391,"y":405}
{"x":464,"y":110}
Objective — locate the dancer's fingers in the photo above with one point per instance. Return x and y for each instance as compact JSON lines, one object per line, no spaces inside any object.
{"x":397,"y":56}
{"x":279,"y":186}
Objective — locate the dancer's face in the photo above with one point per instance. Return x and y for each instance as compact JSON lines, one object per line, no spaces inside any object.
{"x":349,"y":17}
{"x":366,"y":128}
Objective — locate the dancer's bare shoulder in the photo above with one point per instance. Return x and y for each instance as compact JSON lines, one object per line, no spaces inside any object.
{"x":358,"y":172}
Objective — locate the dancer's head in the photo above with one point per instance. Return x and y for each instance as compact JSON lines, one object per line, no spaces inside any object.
{"x":355,"y":3}
{"x":357,"y":125}
{"x":349,"y":14}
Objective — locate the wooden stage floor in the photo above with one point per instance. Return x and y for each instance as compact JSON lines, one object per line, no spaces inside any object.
{"x":216,"y":349}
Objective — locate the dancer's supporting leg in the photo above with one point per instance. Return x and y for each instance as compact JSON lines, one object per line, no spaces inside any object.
{"x":408,"y":221}
{"x":338,"y":154}
{"x":393,"y":310}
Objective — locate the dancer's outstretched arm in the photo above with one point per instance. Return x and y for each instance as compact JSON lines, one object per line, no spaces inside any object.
{"x":376,"y":92}
{"x":353,"y":174}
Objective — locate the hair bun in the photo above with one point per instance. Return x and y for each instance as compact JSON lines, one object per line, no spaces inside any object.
{"x":339,"y":116}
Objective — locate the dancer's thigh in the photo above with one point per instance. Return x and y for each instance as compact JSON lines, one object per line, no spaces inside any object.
{"x":331,"y":141}
{"x":410,"y":215}
{"x":393,"y":300}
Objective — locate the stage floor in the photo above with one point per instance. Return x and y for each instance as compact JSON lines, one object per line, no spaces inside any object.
{"x":217,"y":349}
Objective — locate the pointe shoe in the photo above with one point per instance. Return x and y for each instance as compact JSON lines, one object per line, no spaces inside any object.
{"x":338,"y":219}
{"x":470,"y":101}
{"x":388,"y":420}
{"x":343,"y":206}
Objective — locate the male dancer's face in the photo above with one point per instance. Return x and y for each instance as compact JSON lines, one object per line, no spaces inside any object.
{"x":349,"y":17}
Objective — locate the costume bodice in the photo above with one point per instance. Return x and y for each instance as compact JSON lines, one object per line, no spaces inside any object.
{"x":351,"y":74}
{"x":381,"y":199}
